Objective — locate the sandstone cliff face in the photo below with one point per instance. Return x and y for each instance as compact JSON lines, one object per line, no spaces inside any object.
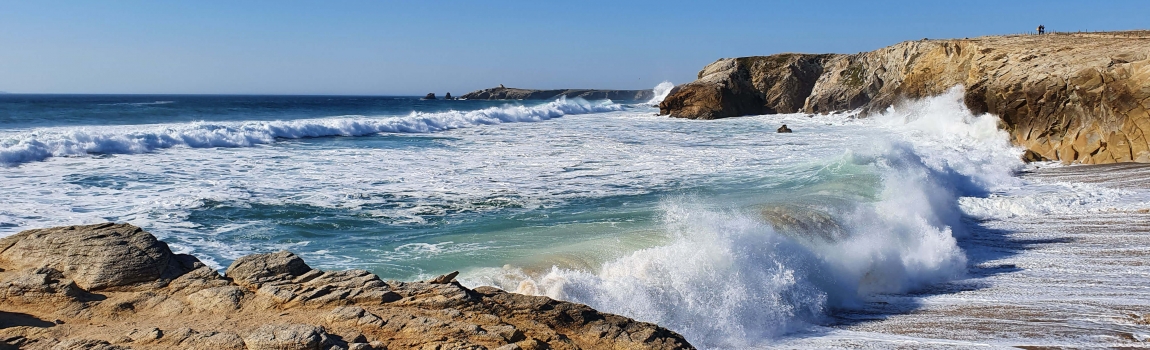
{"x":503,"y":93}
{"x":114,"y":286}
{"x":733,"y":87}
{"x":1070,"y":97}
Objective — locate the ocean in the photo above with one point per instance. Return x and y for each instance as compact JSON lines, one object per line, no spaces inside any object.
{"x":884,"y":231}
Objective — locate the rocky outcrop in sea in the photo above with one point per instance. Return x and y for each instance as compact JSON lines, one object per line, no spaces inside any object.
{"x":505,"y":93}
{"x":115,"y":286}
{"x":1073,"y":97}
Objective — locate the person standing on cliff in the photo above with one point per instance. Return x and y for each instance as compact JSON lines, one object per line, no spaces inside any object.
{"x":1041,"y":29}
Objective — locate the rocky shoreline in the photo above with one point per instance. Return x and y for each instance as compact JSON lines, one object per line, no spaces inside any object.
{"x":1073,"y":97}
{"x":115,"y":286}
{"x":505,"y":93}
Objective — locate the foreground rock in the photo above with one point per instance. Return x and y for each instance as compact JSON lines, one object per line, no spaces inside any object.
{"x":1070,"y":97}
{"x":505,"y":93}
{"x":114,"y":286}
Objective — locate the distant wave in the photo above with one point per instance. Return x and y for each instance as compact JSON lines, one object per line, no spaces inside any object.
{"x":41,"y":144}
{"x":137,"y":103}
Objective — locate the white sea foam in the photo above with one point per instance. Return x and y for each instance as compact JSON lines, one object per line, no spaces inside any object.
{"x":661,"y":92}
{"x":924,"y":165}
{"x":751,"y":283}
{"x":40,"y":144}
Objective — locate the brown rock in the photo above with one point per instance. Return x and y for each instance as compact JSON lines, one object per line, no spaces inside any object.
{"x":218,"y":299}
{"x":87,"y":344}
{"x":733,"y":87}
{"x":255,"y":270}
{"x":1032,"y":156}
{"x":38,"y":285}
{"x":94,"y":256}
{"x":287,"y":337}
{"x":187,"y":338}
{"x":275,"y":300}
{"x":1064,"y":96}
{"x":444,"y":279}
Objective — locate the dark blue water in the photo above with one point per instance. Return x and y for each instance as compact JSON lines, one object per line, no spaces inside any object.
{"x":24,"y":111}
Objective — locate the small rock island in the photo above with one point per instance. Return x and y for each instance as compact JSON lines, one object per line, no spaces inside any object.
{"x":506,"y":93}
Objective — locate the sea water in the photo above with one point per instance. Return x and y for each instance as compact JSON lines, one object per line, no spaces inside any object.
{"x":724,"y":231}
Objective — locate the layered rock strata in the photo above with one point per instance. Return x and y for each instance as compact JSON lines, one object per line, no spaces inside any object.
{"x":505,"y":93}
{"x":1074,"y":97}
{"x":114,"y":286}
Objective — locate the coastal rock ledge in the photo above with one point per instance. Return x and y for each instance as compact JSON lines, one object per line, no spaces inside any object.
{"x":115,"y":286}
{"x":1073,"y":97}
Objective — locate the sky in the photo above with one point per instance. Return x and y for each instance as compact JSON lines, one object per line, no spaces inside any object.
{"x":415,"y":47}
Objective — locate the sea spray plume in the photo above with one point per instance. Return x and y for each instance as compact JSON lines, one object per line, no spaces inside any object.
{"x":939,"y":153}
{"x":40,"y":144}
{"x":949,"y":136}
{"x":729,"y":278}
{"x":661,"y":91}
{"x":725,"y":280}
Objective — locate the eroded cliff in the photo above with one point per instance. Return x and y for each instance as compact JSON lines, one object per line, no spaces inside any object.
{"x":114,"y":286}
{"x":1074,"y":97}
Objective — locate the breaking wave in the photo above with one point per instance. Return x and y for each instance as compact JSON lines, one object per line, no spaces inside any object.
{"x":661,"y":92}
{"x":735,"y":277}
{"x":41,"y":144}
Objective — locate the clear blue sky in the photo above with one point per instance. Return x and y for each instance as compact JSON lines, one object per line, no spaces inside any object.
{"x":415,"y":47}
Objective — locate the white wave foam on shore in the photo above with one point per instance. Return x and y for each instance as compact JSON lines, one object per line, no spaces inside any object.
{"x":41,"y":144}
{"x":730,"y":280}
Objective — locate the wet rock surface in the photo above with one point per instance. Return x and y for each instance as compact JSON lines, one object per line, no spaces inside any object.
{"x":1073,"y":97}
{"x":267,"y":301}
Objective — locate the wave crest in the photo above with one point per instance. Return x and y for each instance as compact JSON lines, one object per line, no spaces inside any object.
{"x":41,"y":144}
{"x":751,"y":278}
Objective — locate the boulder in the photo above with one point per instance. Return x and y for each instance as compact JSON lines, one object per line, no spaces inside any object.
{"x":783,"y":129}
{"x":1030,"y":156}
{"x":255,"y":270}
{"x":38,"y":285}
{"x":448,"y":96}
{"x":444,"y":279}
{"x":94,"y":257}
{"x":429,"y":96}
{"x":287,"y":337}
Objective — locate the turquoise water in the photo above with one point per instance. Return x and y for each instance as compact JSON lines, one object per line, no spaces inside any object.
{"x":599,"y":202}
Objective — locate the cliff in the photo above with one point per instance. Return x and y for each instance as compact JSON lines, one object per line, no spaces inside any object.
{"x":504,"y":93}
{"x":1074,"y":97}
{"x":114,"y":286}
